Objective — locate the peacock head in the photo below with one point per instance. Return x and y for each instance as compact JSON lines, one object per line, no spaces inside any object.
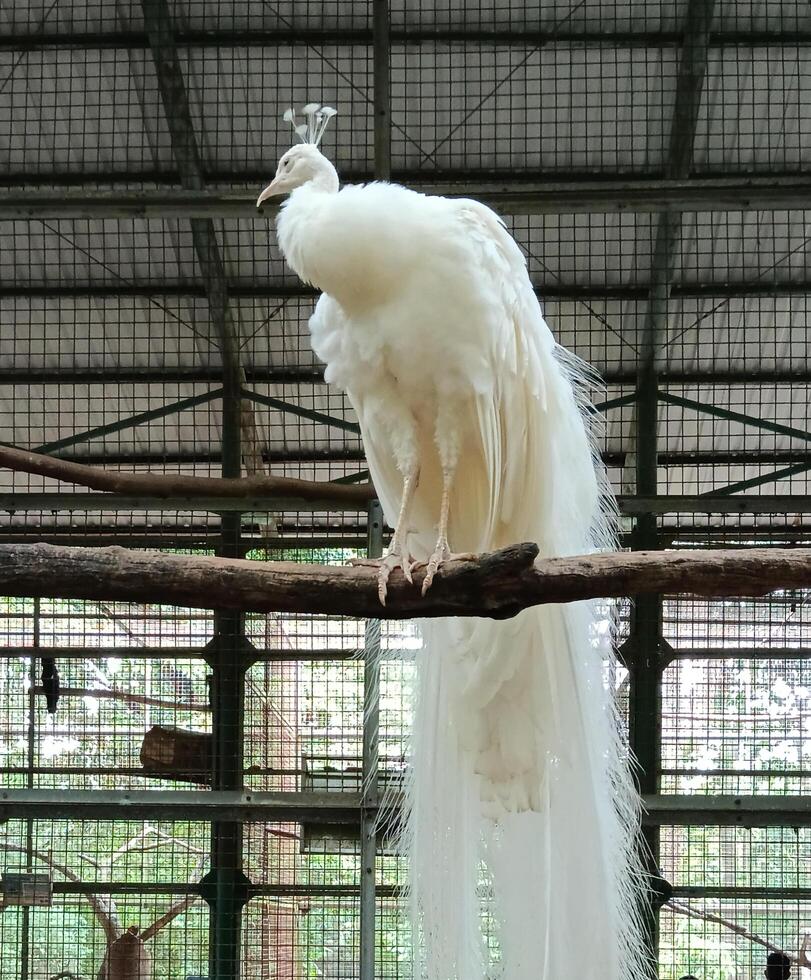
{"x":304,"y":163}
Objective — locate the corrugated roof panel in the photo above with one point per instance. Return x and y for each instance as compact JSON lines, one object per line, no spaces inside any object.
{"x":103,"y":252}
{"x":86,"y":333}
{"x":683,"y":429}
{"x":325,"y":15}
{"x":762,"y":15}
{"x":759,"y":247}
{"x":35,"y":415}
{"x":590,"y":15}
{"x":691,"y":480}
{"x":753,"y":109}
{"x":237,"y":97}
{"x":755,"y":334}
{"x":563,"y":107}
{"x":78,"y":16}
{"x":76,"y":110}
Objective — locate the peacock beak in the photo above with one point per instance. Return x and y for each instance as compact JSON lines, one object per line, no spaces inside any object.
{"x":272,"y":189}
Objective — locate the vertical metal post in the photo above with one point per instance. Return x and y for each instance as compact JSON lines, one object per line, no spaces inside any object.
{"x":644,"y":648}
{"x":227,"y":887}
{"x":25,"y":938}
{"x":382,"y":88}
{"x":374,"y":548}
{"x":370,"y":796}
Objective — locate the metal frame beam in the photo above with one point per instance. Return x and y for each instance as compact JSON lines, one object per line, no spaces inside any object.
{"x":345,"y":808}
{"x":321,"y":418}
{"x":642,"y":653}
{"x":628,"y":504}
{"x":131,"y":422}
{"x":336,"y":654}
{"x":551,"y":292}
{"x":225,"y":887}
{"x":508,"y":196}
{"x":347,"y":454}
{"x":285,"y":35}
{"x":114,"y":375}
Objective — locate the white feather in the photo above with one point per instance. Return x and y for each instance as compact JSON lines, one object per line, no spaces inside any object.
{"x":429,"y":318}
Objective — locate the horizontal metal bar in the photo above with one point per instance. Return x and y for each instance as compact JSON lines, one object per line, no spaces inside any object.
{"x":544,"y":197}
{"x":179,"y":805}
{"x":344,"y":808}
{"x":340,"y":454}
{"x":166,"y":538}
{"x":320,"y":891}
{"x":91,"y":502}
{"x":739,"y":653}
{"x":157,"y":375}
{"x":733,"y":892}
{"x":344,"y":454}
{"x":745,"y":811}
{"x":285,"y":35}
{"x":737,"y":773}
{"x":348,"y":454}
{"x":19,"y":502}
{"x":114,"y":375}
{"x":173,"y":653}
{"x":675,"y":504}
{"x":552,"y":292}
{"x":123,"y":888}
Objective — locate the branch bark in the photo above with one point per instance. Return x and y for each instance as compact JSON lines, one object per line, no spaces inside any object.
{"x":498,"y":584}
{"x":102,"y":905}
{"x":178,"y":485}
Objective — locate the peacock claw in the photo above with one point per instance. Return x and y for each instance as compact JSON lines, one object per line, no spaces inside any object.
{"x":396,"y":558}
{"x":442,"y":553}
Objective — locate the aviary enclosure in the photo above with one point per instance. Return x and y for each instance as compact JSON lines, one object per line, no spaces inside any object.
{"x":652,"y":160}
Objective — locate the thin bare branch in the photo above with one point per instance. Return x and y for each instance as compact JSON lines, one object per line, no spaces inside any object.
{"x":105,"y":909}
{"x":741,"y":931}
{"x":179,"y":485}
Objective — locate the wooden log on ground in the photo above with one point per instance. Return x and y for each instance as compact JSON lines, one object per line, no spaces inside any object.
{"x":176,"y":753}
{"x":497,"y":584}
{"x":178,"y":485}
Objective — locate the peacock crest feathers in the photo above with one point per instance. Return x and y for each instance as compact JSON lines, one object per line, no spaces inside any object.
{"x":317,"y":119}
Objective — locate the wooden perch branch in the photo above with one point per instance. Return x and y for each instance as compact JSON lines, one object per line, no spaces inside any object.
{"x":497,"y":584}
{"x":178,"y":485}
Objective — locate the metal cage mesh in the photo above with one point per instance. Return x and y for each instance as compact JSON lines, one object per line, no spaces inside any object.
{"x":563,"y":116}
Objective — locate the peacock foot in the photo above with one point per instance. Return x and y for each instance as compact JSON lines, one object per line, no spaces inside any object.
{"x":397,"y":557}
{"x":442,"y":553}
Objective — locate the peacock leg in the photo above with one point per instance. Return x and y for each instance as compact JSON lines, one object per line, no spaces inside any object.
{"x":442,"y":551}
{"x":395,"y":418}
{"x":398,"y":555}
{"x":447,"y":442}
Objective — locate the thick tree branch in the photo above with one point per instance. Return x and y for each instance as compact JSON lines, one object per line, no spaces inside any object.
{"x":102,"y":905}
{"x":498,"y":584}
{"x":178,"y":485}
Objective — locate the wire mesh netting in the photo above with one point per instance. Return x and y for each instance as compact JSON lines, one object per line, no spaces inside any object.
{"x":112,"y":354}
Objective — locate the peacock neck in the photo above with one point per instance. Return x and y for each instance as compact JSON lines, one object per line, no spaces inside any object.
{"x":300,"y":230}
